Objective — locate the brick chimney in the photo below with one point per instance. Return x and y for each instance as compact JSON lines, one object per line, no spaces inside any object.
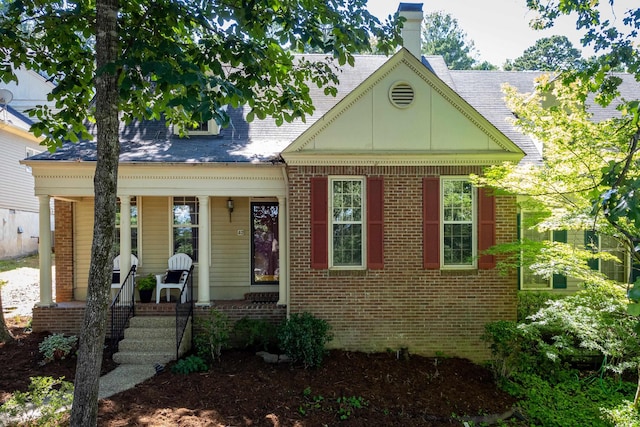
{"x":412,"y":29}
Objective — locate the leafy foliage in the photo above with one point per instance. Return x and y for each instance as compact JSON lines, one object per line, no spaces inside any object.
{"x":186,"y":61}
{"x":555,"y":53}
{"x":441,"y":35}
{"x":303,"y":338}
{"x":529,"y":303}
{"x":569,"y":400}
{"x":190,"y":364}
{"x":257,"y":334}
{"x":43,"y":404}
{"x":213,"y":335}
{"x":538,"y":361}
{"x":57,"y":346}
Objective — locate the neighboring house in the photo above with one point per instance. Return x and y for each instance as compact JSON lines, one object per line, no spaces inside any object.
{"x":19,"y":207}
{"x":364,"y":215}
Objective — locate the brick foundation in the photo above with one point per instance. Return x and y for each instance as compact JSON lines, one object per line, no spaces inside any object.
{"x":67,"y":317}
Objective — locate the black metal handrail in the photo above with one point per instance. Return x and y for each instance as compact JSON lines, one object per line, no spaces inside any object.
{"x":184,"y":310}
{"x":122,"y":308}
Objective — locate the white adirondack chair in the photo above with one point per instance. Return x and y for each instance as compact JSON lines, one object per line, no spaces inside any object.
{"x":175,"y":277}
{"x":116,"y":277}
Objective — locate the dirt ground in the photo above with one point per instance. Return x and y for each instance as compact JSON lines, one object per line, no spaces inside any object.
{"x":349,"y":389}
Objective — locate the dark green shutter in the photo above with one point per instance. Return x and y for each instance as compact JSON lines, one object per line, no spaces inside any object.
{"x":591,"y":243}
{"x":519,"y":225}
{"x":560,"y":280}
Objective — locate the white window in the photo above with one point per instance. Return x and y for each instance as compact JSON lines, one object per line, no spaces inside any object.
{"x":346,"y":207}
{"x":614,"y":269}
{"x":209,"y":127}
{"x":528,"y":279}
{"x":185,"y":226}
{"x":30,"y":152}
{"x":458,"y":223}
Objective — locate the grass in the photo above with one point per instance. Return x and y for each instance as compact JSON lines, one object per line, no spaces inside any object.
{"x":11,"y":264}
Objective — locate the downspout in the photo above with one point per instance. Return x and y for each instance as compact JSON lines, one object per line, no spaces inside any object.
{"x":287,"y":300}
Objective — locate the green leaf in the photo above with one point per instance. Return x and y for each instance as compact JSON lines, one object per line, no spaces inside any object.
{"x":633,"y":309}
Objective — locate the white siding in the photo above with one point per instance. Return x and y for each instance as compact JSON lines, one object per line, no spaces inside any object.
{"x":83,"y":236}
{"x":230,"y":249}
{"x":17,"y":191}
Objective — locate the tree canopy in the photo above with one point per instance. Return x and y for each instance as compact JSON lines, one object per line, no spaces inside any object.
{"x":204,"y":55}
{"x":441,"y":35}
{"x":553,"y":53}
{"x":181,"y":61}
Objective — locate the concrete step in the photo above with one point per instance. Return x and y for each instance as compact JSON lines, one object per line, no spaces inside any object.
{"x":148,"y":345}
{"x":150,"y":333}
{"x":143,"y":358}
{"x":153,"y":322}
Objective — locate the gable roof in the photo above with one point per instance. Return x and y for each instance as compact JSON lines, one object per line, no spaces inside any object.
{"x":440,"y":127}
{"x":262,"y":141}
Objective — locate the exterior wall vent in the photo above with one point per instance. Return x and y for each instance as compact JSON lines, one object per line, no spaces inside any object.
{"x":401,"y":94}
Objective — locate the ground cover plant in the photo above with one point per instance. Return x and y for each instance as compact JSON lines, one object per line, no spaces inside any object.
{"x":573,"y":362}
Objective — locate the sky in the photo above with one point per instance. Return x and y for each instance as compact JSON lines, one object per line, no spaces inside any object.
{"x":499,"y":28}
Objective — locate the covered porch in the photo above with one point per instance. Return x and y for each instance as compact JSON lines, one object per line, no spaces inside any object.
{"x":230,"y":219}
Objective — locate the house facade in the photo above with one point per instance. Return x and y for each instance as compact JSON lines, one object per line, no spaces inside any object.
{"x":19,"y":231}
{"x":364,"y":216}
{"x":19,"y":207}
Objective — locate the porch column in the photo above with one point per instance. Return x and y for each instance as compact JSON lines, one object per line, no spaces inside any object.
{"x":44,"y":249}
{"x":283,"y":249}
{"x":125,"y":235}
{"x":204,"y":252}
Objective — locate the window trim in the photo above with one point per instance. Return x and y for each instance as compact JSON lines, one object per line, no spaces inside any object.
{"x":474,"y":224}
{"x":212,"y":129}
{"x":363,"y":221}
{"x":548,"y":237}
{"x":30,"y":151}
{"x":625,"y":261}
{"x":253,"y":277}
{"x":196,"y":255}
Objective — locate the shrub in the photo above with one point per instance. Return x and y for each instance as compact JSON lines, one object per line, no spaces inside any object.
{"x":256,"y":334}
{"x":569,"y":400}
{"x":529,"y":303}
{"x":42,"y":405}
{"x":213,"y":335}
{"x":508,"y":348}
{"x":190,"y":365}
{"x":303,"y":338}
{"x":57,"y":346}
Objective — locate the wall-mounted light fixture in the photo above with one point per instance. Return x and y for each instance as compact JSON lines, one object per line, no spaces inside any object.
{"x":230,"y":207}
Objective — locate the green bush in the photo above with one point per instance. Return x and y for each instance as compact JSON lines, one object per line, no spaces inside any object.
{"x":303,"y":338}
{"x":625,"y":414}
{"x":190,"y":365}
{"x":256,"y":334}
{"x":529,"y":303}
{"x":213,"y":335}
{"x":57,"y":346}
{"x":508,"y":348}
{"x":43,"y":404}
{"x":570,"y":399}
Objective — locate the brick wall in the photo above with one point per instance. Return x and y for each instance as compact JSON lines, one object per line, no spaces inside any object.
{"x":65,"y":318}
{"x":64,"y":251}
{"x":402,"y":305}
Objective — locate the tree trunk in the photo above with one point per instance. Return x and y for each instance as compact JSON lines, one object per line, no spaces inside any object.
{"x":5,"y":335}
{"x":84,"y":411}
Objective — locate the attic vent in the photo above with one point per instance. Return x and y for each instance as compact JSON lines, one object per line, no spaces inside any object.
{"x":401,"y":94}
